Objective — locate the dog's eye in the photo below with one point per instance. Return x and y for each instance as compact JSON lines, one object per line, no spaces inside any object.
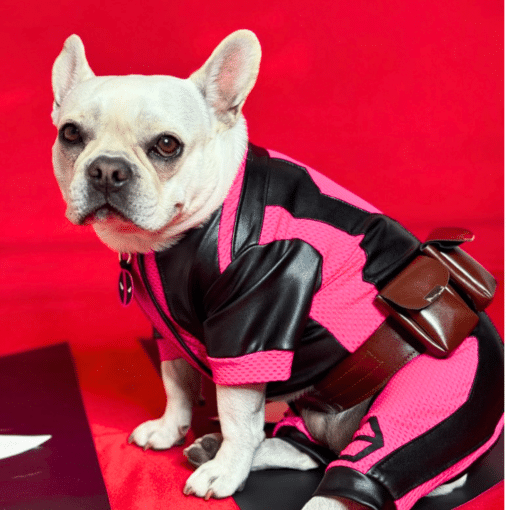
{"x":70,"y":133}
{"x":167,"y":146}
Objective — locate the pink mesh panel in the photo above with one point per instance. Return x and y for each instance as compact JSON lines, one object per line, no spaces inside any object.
{"x":329,"y":187}
{"x":407,"y":501}
{"x":350,"y":316}
{"x":290,"y":420}
{"x":258,"y":367}
{"x":338,"y":248}
{"x":169,"y":347}
{"x":345,"y":303}
{"x":421,"y":395}
{"x":228,"y":218}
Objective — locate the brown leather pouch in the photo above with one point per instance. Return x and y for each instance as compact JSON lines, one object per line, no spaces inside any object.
{"x":471,"y":279}
{"x":422,"y":301}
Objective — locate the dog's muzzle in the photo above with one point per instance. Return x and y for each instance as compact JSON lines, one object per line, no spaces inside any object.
{"x":109,"y":174}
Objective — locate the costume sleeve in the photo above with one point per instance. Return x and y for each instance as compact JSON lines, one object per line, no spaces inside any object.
{"x":166,"y":346}
{"x":257,"y":311}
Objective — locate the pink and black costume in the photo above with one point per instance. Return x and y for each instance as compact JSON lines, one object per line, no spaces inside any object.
{"x":278,"y":287}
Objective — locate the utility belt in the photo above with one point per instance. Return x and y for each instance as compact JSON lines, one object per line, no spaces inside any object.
{"x":432,"y":307}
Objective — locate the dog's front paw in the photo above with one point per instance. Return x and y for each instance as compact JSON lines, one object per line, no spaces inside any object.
{"x":216,"y":479}
{"x":158,"y":435}
{"x":203,"y":449}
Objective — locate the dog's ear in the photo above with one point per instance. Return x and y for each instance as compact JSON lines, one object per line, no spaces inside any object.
{"x":70,"y":68}
{"x":229,"y":74}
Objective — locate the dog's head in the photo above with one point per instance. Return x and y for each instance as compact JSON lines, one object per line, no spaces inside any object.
{"x":145,"y":158}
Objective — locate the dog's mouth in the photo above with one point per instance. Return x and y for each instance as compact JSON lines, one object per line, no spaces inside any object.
{"x":107,"y":217}
{"x":103,"y":213}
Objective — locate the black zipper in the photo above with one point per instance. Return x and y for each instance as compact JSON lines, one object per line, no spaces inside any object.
{"x":167,"y":321}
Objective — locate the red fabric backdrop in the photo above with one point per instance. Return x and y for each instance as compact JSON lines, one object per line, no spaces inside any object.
{"x":401,"y":102}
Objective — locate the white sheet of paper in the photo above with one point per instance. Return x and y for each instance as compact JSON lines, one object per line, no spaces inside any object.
{"x":14,"y":445}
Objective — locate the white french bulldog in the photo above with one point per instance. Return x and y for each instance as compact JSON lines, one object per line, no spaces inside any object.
{"x":120,"y":162}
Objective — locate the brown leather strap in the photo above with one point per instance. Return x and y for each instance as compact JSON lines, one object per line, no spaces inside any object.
{"x":369,"y":368}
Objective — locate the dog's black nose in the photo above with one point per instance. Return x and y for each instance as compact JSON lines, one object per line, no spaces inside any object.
{"x":107,"y":174}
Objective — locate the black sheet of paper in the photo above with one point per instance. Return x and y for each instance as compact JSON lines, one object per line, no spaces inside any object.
{"x":39,"y":395}
{"x":286,"y":489}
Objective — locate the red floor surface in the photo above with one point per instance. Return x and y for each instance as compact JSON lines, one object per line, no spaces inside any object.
{"x":401,"y":102}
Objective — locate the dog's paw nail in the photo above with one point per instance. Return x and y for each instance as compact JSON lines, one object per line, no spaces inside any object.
{"x":187,"y":490}
{"x":131,"y":439}
{"x":210,"y":494}
{"x":146,"y":447}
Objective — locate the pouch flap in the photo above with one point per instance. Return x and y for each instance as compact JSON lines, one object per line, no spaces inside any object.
{"x":468,"y":275}
{"x":418,"y":285}
{"x":448,"y":237}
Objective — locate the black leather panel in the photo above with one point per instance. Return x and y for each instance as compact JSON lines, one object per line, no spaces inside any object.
{"x":262,"y":300}
{"x":343,"y":482}
{"x":187,"y":271}
{"x":252,"y":202}
{"x":389,"y":248}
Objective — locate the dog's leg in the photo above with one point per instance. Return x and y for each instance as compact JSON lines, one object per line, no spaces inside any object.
{"x":448,"y":487}
{"x":182,"y":386}
{"x":273,"y":453}
{"x":323,"y":503}
{"x":241,"y":414}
